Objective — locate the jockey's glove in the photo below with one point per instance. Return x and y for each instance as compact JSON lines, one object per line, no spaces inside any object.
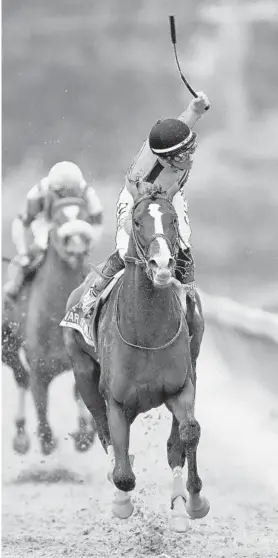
{"x":200,"y":104}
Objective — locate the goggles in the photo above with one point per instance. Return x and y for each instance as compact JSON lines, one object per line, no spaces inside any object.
{"x":182,"y":154}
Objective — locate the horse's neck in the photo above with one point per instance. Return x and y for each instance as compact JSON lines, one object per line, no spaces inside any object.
{"x":145,"y":309}
{"x":138,"y":289}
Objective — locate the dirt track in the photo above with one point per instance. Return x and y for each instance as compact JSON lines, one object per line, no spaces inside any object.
{"x":238,"y":462}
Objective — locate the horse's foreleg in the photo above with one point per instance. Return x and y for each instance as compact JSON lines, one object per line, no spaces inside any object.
{"x":87,"y":372}
{"x":176,"y":460}
{"x":122,"y":504}
{"x":21,"y":441}
{"x":85,"y":435}
{"x":10,"y":357}
{"x":175,"y":447}
{"x":39,"y":388}
{"x":123,"y":476}
{"x":182,"y":407}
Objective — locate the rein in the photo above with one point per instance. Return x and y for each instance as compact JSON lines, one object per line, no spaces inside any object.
{"x":168,"y":344}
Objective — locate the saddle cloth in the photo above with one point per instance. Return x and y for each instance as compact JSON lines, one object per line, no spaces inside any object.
{"x":87,"y":326}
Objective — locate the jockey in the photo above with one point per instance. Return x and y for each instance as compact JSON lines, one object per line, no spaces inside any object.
{"x":65,"y":179}
{"x":165,"y":158}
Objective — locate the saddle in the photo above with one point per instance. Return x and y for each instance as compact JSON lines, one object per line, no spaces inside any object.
{"x":87,"y":325}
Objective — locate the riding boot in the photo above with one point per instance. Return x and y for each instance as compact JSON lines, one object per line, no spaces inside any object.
{"x":13,"y":286}
{"x":185,"y":272}
{"x":113,"y":265}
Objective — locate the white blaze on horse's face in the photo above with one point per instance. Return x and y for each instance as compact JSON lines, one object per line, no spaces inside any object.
{"x":160,"y":262}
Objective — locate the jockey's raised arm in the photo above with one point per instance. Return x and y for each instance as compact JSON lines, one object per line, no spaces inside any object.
{"x":195,"y":110}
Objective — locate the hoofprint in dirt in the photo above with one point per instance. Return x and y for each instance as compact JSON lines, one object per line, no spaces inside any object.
{"x":61,"y":505}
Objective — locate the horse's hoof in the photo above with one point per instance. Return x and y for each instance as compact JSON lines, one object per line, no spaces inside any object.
{"x":122,"y":505}
{"x":179,"y":518}
{"x":82,"y":444}
{"x":180,"y":523}
{"x":48,"y":447}
{"x":21,"y":443}
{"x":83,"y":441}
{"x":199,"y":509}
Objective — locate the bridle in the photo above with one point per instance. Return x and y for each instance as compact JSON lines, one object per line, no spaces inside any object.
{"x":58,"y":247}
{"x":143,"y":251}
{"x":142,"y":260}
{"x":59,"y":204}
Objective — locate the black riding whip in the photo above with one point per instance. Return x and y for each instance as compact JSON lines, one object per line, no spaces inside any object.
{"x":174,"y":43}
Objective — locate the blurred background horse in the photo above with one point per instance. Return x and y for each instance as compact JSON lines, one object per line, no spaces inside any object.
{"x":32,"y":343}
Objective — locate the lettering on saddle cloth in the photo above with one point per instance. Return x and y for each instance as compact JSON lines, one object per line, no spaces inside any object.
{"x":75,"y":319}
{"x":87,"y":326}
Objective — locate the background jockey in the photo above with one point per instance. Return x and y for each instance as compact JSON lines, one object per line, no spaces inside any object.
{"x":165,"y":158}
{"x":65,"y":180}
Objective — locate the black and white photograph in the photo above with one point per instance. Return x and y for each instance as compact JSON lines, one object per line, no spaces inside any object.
{"x":139,"y":279}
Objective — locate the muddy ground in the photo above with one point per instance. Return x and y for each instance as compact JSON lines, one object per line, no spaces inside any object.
{"x":61,"y":505}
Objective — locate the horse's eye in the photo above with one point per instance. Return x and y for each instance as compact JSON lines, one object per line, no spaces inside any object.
{"x":136,"y":223}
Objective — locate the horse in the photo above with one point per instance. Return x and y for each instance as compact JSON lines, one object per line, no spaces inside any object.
{"x":32,"y":342}
{"x":148,"y":338}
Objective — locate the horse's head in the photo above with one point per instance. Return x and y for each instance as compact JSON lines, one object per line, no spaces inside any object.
{"x":155,"y":233}
{"x":71,"y":235}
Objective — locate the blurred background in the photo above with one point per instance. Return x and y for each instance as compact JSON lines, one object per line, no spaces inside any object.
{"x":85,"y":81}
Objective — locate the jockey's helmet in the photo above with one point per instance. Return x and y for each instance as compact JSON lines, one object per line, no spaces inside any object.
{"x":171,"y":136}
{"x":65,"y":177}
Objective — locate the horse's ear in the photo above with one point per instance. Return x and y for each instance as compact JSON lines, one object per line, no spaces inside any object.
{"x":173,"y":190}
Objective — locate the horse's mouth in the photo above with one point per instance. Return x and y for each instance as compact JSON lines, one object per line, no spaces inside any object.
{"x":161,"y":279}
{"x":75,"y":259}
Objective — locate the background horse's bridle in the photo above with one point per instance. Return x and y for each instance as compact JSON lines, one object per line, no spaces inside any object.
{"x":142,"y":252}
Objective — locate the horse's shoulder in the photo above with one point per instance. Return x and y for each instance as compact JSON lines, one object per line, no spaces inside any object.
{"x":108,"y":308}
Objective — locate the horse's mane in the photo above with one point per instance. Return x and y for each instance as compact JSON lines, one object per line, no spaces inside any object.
{"x":154,"y":191}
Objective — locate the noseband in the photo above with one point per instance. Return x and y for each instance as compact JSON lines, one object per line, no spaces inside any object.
{"x":143,"y":252}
